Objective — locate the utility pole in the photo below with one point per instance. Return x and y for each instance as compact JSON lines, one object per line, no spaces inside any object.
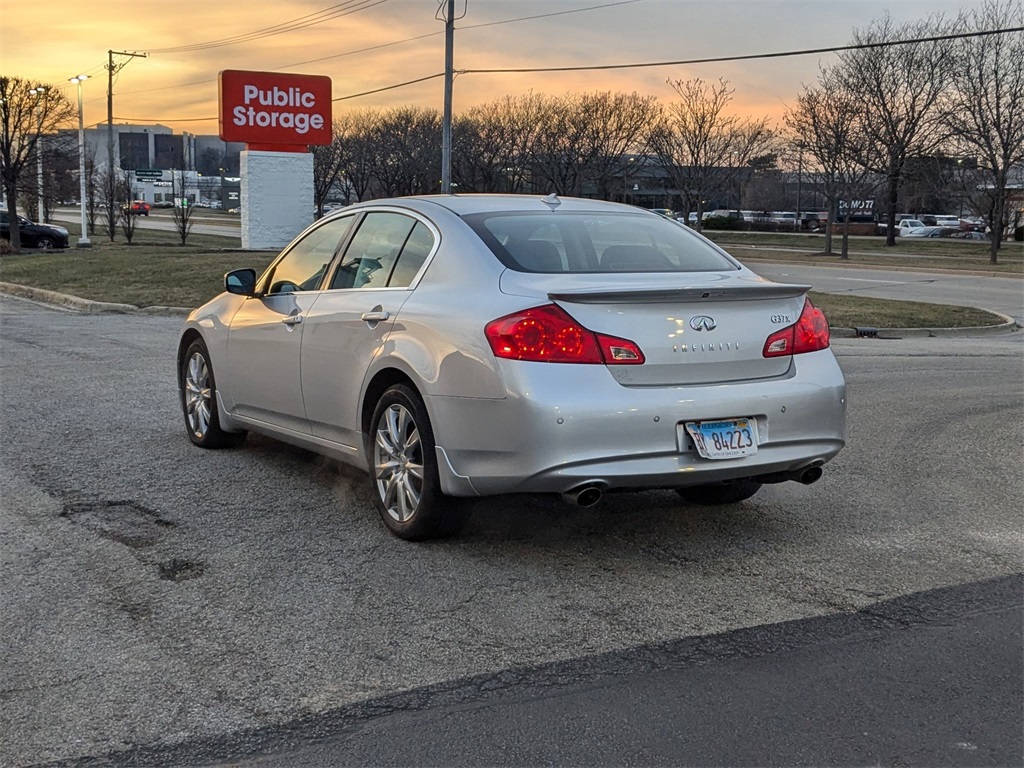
{"x":446,"y":125}
{"x":111,"y":179}
{"x":111,"y":71}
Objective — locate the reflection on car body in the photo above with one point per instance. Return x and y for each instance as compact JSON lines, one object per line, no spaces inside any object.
{"x":466,"y":346}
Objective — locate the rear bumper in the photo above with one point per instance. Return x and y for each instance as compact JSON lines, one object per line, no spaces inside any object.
{"x":564,"y":426}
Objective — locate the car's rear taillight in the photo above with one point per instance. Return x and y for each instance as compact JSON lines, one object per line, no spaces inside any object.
{"x":809,"y":334}
{"x":548,"y":334}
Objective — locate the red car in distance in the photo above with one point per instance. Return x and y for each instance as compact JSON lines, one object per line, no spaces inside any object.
{"x":140,"y":207}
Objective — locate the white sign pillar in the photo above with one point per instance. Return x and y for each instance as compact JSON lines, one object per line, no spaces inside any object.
{"x":277,"y":197}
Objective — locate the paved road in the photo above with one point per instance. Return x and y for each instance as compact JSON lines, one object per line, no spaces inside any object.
{"x":157,"y":594}
{"x":205,"y":223}
{"x":927,"y":679}
{"x":999,"y":294}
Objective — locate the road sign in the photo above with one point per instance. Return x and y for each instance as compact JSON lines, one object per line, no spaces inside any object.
{"x":148,"y":173}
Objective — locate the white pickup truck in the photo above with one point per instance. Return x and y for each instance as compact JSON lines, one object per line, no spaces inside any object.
{"x":909,"y":225}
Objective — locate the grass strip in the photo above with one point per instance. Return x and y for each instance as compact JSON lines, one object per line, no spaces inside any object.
{"x":154,"y":271}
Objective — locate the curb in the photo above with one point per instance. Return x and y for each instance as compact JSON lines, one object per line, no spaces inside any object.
{"x":87,"y":305}
{"x":1009,"y":325}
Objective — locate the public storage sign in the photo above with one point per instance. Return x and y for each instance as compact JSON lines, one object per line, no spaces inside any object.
{"x":274,"y":111}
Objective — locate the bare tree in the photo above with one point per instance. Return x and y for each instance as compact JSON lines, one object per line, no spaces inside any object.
{"x":985,"y":109}
{"x":182,"y":208}
{"x":60,"y":168}
{"x":827,"y":124}
{"x":559,"y":148}
{"x":127,"y":219}
{"x":899,"y":89}
{"x":328,"y":162}
{"x":354,"y":130}
{"x":407,"y":156}
{"x":703,"y":150}
{"x":617,"y":123}
{"x":493,"y":143}
{"x":92,"y":190}
{"x":24,"y":118}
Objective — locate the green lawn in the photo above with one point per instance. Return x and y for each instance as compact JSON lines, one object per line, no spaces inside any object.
{"x":156,"y":271}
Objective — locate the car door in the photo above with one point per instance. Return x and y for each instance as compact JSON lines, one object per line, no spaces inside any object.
{"x":349,"y":324}
{"x":264,"y":340}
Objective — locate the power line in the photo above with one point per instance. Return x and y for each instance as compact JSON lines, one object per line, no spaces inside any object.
{"x":302,"y":22}
{"x":716,"y":59}
{"x":390,"y":87}
{"x":154,"y":120}
{"x":393,"y":43}
{"x":546,"y":15}
{"x":340,"y":98}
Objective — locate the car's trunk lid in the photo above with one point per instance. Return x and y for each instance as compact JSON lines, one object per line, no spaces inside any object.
{"x":702,"y":328}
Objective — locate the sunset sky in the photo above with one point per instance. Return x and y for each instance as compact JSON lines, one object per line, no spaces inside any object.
{"x":51,"y":40}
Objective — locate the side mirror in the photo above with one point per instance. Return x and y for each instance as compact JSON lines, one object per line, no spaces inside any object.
{"x":241,"y":281}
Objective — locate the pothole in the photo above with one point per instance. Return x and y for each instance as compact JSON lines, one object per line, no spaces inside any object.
{"x":179,"y":569}
{"x":125,"y":522}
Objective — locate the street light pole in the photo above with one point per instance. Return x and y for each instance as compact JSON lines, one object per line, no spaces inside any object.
{"x":83,"y":241}
{"x":40,"y":93}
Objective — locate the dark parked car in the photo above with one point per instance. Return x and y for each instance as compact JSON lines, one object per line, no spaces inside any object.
{"x":34,"y":235}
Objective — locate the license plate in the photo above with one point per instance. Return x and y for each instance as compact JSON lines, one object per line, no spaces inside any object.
{"x":726,"y":439}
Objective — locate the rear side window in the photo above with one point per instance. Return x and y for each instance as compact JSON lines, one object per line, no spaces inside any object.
{"x":595,"y":242}
{"x":414,"y":253}
{"x":373,"y":251}
{"x":386,"y":251}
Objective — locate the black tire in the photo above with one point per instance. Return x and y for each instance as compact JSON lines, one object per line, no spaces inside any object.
{"x":45,"y":243}
{"x":403,"y":470}
{"x":713,"y":494}
{"x":198,"y":392}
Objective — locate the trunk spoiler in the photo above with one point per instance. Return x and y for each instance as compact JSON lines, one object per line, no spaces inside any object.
{"x":676,"y":295}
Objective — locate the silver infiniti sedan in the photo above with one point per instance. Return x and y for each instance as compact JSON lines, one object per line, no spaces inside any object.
{"x":464,"y":346}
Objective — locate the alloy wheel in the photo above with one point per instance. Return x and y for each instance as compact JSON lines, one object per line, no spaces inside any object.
{"x":197,"y":395}
{"x":398,"y":462}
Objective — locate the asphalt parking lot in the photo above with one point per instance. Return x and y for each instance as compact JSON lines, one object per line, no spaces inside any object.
{"x":158,"y":594}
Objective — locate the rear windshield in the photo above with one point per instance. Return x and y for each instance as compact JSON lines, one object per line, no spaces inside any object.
{"x":573,"y":241}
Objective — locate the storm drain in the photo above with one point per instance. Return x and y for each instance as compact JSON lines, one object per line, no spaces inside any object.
{"x":122,"y":521}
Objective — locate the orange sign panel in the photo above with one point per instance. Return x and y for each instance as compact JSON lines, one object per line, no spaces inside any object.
{"x":274,"y":111}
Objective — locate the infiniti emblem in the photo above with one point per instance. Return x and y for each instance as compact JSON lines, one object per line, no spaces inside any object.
{"x":702,"y":323}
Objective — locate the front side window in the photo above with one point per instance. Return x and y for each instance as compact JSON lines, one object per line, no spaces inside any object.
{"x":304,"y":266}
{"x":587,"y":242}
{"x":373,"y":252}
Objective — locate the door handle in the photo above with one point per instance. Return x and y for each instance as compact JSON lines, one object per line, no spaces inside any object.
{"x":376,"y":316}
{"x":292,"y":320}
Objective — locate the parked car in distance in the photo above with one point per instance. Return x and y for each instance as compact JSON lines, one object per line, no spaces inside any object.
{"x":44,"y":236}
{"x":927,"y":232}
{"x":906,"y":226}
{"x":458,"y":347}
{"x":785,"y":219}
{"x":668,"y":213}
{"x":137,"y":207}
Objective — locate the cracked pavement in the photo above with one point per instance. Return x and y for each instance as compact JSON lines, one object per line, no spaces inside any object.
{"x":297,"y":601}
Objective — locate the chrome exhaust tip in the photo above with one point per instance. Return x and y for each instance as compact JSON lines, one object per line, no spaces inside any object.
{"x":810,"y":475}
{"x":584,"y":496}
